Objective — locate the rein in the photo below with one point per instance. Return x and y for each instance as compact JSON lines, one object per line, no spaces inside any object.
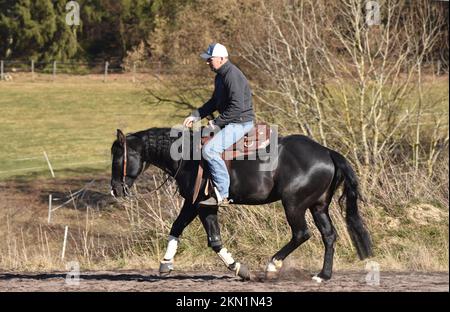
{"x":168,"y":177}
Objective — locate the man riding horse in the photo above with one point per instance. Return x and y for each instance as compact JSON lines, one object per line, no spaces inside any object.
{"x":233,"y":99}
{"x":303,"y":175}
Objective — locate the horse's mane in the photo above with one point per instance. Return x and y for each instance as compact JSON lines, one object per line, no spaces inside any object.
{"x":157,"y":141}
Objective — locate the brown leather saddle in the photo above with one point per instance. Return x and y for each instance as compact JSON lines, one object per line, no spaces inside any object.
{"x":257,"y":138}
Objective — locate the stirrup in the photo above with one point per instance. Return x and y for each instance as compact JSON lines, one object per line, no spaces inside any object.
{"x":225,"y":202}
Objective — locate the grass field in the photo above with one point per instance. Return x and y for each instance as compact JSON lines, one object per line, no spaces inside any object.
{"x":74,"y":122}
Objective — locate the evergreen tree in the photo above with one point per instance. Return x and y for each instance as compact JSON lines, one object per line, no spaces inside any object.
{"x":37,"y":30}
{"x":25,"y":27}
{"x":111,"y":27}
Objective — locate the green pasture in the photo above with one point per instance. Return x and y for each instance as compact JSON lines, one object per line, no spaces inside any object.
{"x":73,"y":122}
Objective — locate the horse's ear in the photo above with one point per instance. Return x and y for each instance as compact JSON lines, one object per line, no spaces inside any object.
{"x":121,"y":137}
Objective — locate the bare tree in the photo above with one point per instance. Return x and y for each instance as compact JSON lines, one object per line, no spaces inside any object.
{"x":345,"y":81}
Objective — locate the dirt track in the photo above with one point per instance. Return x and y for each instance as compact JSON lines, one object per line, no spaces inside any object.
{"x":14,"y":195}
{"x":150,"y":281}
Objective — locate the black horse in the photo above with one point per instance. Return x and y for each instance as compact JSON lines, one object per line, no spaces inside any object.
{"x":306,"y":176}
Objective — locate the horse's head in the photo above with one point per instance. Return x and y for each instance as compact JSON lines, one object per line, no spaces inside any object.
{"x":127,"y":163}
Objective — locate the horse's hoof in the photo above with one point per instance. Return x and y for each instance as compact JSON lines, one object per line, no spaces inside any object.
{"x":242,"y":271}
{"x":273,"y":269}
{"x":165,"y":268}
{"x":271,"y":275}
{"x":319,"y":278}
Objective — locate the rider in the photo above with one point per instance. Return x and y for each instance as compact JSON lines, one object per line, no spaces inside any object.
{"x":233,"y":99}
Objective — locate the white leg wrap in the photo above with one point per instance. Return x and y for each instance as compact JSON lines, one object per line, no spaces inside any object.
{"x":317,"y":279}
{"x":226,"y":257}
{"x":172,"y":246}
{"x":274,"y":265}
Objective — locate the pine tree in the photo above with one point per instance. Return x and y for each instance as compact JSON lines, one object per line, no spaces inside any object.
{"x":112,"y":27}
{"x":36,"y":30}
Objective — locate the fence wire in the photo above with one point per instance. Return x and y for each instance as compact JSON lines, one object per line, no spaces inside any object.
{"x":9,"y":68}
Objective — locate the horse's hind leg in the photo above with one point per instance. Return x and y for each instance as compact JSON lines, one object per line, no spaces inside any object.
{"x":326,"y":228}
{"x":208,"y":216}
{"x":295,"y":215}
{"x":187,"y":214}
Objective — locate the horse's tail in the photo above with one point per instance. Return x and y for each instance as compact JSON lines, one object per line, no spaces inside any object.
{"x":356,"y":228}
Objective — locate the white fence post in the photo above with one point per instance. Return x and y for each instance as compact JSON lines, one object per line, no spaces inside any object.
{"x":49,"y":164}
{"x":49,"y":208}
{"x":2,"y":74}
{"x":64,"y":244}
{"x":106,"y":71}
{"x":54,"y":70}
{"x":32,"y":70}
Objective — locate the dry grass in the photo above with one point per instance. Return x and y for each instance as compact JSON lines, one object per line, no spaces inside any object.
{"x":409,"y":230}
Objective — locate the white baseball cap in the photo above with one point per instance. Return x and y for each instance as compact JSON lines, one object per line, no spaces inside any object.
{"x":215,"y":49}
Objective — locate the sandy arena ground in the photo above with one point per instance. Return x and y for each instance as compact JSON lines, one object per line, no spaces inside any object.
{"x":179,"y":281}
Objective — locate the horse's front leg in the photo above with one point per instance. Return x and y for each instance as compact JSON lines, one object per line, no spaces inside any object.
{"x":208,"y":216}
{"x":188,"y":212}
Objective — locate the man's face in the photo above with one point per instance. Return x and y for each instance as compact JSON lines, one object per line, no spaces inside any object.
{"x":215,"y":62}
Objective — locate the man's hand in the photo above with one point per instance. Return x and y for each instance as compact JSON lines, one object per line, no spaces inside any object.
{"x":190,"y":120}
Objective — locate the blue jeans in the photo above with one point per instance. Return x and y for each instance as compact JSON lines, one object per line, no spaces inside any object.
{"x":212,"y":151}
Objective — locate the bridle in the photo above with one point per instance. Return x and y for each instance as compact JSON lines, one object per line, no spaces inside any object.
{"x":125,"y":157}
{"x":144,"y":167}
